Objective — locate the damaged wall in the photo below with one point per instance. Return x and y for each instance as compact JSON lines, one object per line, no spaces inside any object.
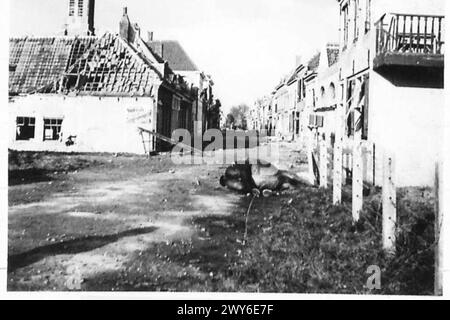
{"x":100,"y":124}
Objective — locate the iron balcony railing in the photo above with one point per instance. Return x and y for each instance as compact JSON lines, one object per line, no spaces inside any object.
{"x":408,"y":33}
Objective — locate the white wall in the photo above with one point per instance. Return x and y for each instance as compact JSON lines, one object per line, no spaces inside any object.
{"x":101,"y":125}
{"x":408,"y":123}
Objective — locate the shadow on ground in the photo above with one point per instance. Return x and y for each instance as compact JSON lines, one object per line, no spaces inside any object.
{"x":20,"y":177}
{"x":206,"y":263}
{"x":70,"y":247}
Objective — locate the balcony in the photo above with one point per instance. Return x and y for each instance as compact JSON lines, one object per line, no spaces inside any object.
{"x":411,"y":43}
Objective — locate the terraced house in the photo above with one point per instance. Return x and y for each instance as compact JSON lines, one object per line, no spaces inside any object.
{"x":88,"y":93}
{"x":391,"y":71}
{"x":380,"y":88}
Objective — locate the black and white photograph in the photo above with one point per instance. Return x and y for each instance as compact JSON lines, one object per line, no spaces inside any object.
{"x":225,"y":147}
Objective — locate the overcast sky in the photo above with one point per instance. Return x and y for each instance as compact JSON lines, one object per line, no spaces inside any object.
{"x":246,"y":45}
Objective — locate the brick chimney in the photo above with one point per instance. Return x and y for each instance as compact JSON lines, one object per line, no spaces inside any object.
{"x":150,"y":36}
{"x":125,"y":25}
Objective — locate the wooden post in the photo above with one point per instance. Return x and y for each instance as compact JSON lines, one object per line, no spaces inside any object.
{"x":389,"y":204}
{"x":310,"y":150}
{"x":357,"y":179}
{"x":338,"y":153}
{"x":438,"y":253}
{"x":323,"y":163}
{"x":357,"y":172}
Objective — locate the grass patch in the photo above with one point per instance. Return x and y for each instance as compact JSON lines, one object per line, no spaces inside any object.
{"x":297,"y":243}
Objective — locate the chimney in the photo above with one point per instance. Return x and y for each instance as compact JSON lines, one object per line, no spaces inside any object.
{"x":150,"y":36}
{"x":124,"y":26}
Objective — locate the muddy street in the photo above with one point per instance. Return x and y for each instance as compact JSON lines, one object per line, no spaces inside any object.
{"x":95,"y":219}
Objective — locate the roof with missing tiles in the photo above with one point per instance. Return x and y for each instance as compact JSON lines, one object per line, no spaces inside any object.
{"x":333,"y":55}
{"x":107,"y":65}
{"x":35,"y":62}
{"x":313,"y":63}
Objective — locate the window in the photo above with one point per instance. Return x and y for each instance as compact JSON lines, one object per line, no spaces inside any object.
{"x":314,"y":97}
{"x":365,"y":109}
{"x":332,"y":92}
{"x":345,"y":24}
{"x":316,"y":121}
{"x":304,"y":89}
{"x":80,"y":7}
{"x":297,"y":123}
{"x":368,"y":16}
{"x":356,"y":20}
{"x":299,"y":90}
{"x":319,"y":121}
{"x":312,"y":120}
{"x":71,"y":8}
{"x":25,"y":128}
{"x":322,"y":96}
{"x":52,"y":129}
{"x":349,"y":101}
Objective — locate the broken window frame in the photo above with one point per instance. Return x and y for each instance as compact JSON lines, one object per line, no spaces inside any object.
{"x":27,"y":127}
{"x":54,"y":124}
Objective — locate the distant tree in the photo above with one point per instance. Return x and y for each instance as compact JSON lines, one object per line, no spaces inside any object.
{"x":230,"y":121}
{"x":239,"y":116}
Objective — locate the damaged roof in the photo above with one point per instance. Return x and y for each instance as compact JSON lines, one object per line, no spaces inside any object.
{"x":313,"y":64}
{"x":173,"y":52}
{"x":107,"y":65}
{"x":35,"y":62}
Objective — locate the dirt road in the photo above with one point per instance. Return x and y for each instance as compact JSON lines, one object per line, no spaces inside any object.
{"x":105,"y":223}
{"x":69,"y":226}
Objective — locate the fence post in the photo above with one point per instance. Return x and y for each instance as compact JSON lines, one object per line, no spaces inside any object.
{"x":310,"y":150}
{"x":357,"y":179}
{"x":323,"y":163}
{"x":389,"y":204}
{"x":338,"y":161}
{"x":438,"y":253}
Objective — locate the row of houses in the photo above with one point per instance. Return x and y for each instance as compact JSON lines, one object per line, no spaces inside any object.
{"x":82,"y":92}
{"x":380,"y":86}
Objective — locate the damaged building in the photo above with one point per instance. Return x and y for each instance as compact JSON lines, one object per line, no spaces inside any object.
{"x":85,"y":93}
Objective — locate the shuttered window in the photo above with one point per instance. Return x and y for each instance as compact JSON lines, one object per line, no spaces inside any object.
{"x":365,"y":111}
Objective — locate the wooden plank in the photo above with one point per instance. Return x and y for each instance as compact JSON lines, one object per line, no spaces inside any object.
{"x":389,"y":198}
{"x":438,"y":256}
{"x":169,"y":140}
{"x":357,"y":172}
